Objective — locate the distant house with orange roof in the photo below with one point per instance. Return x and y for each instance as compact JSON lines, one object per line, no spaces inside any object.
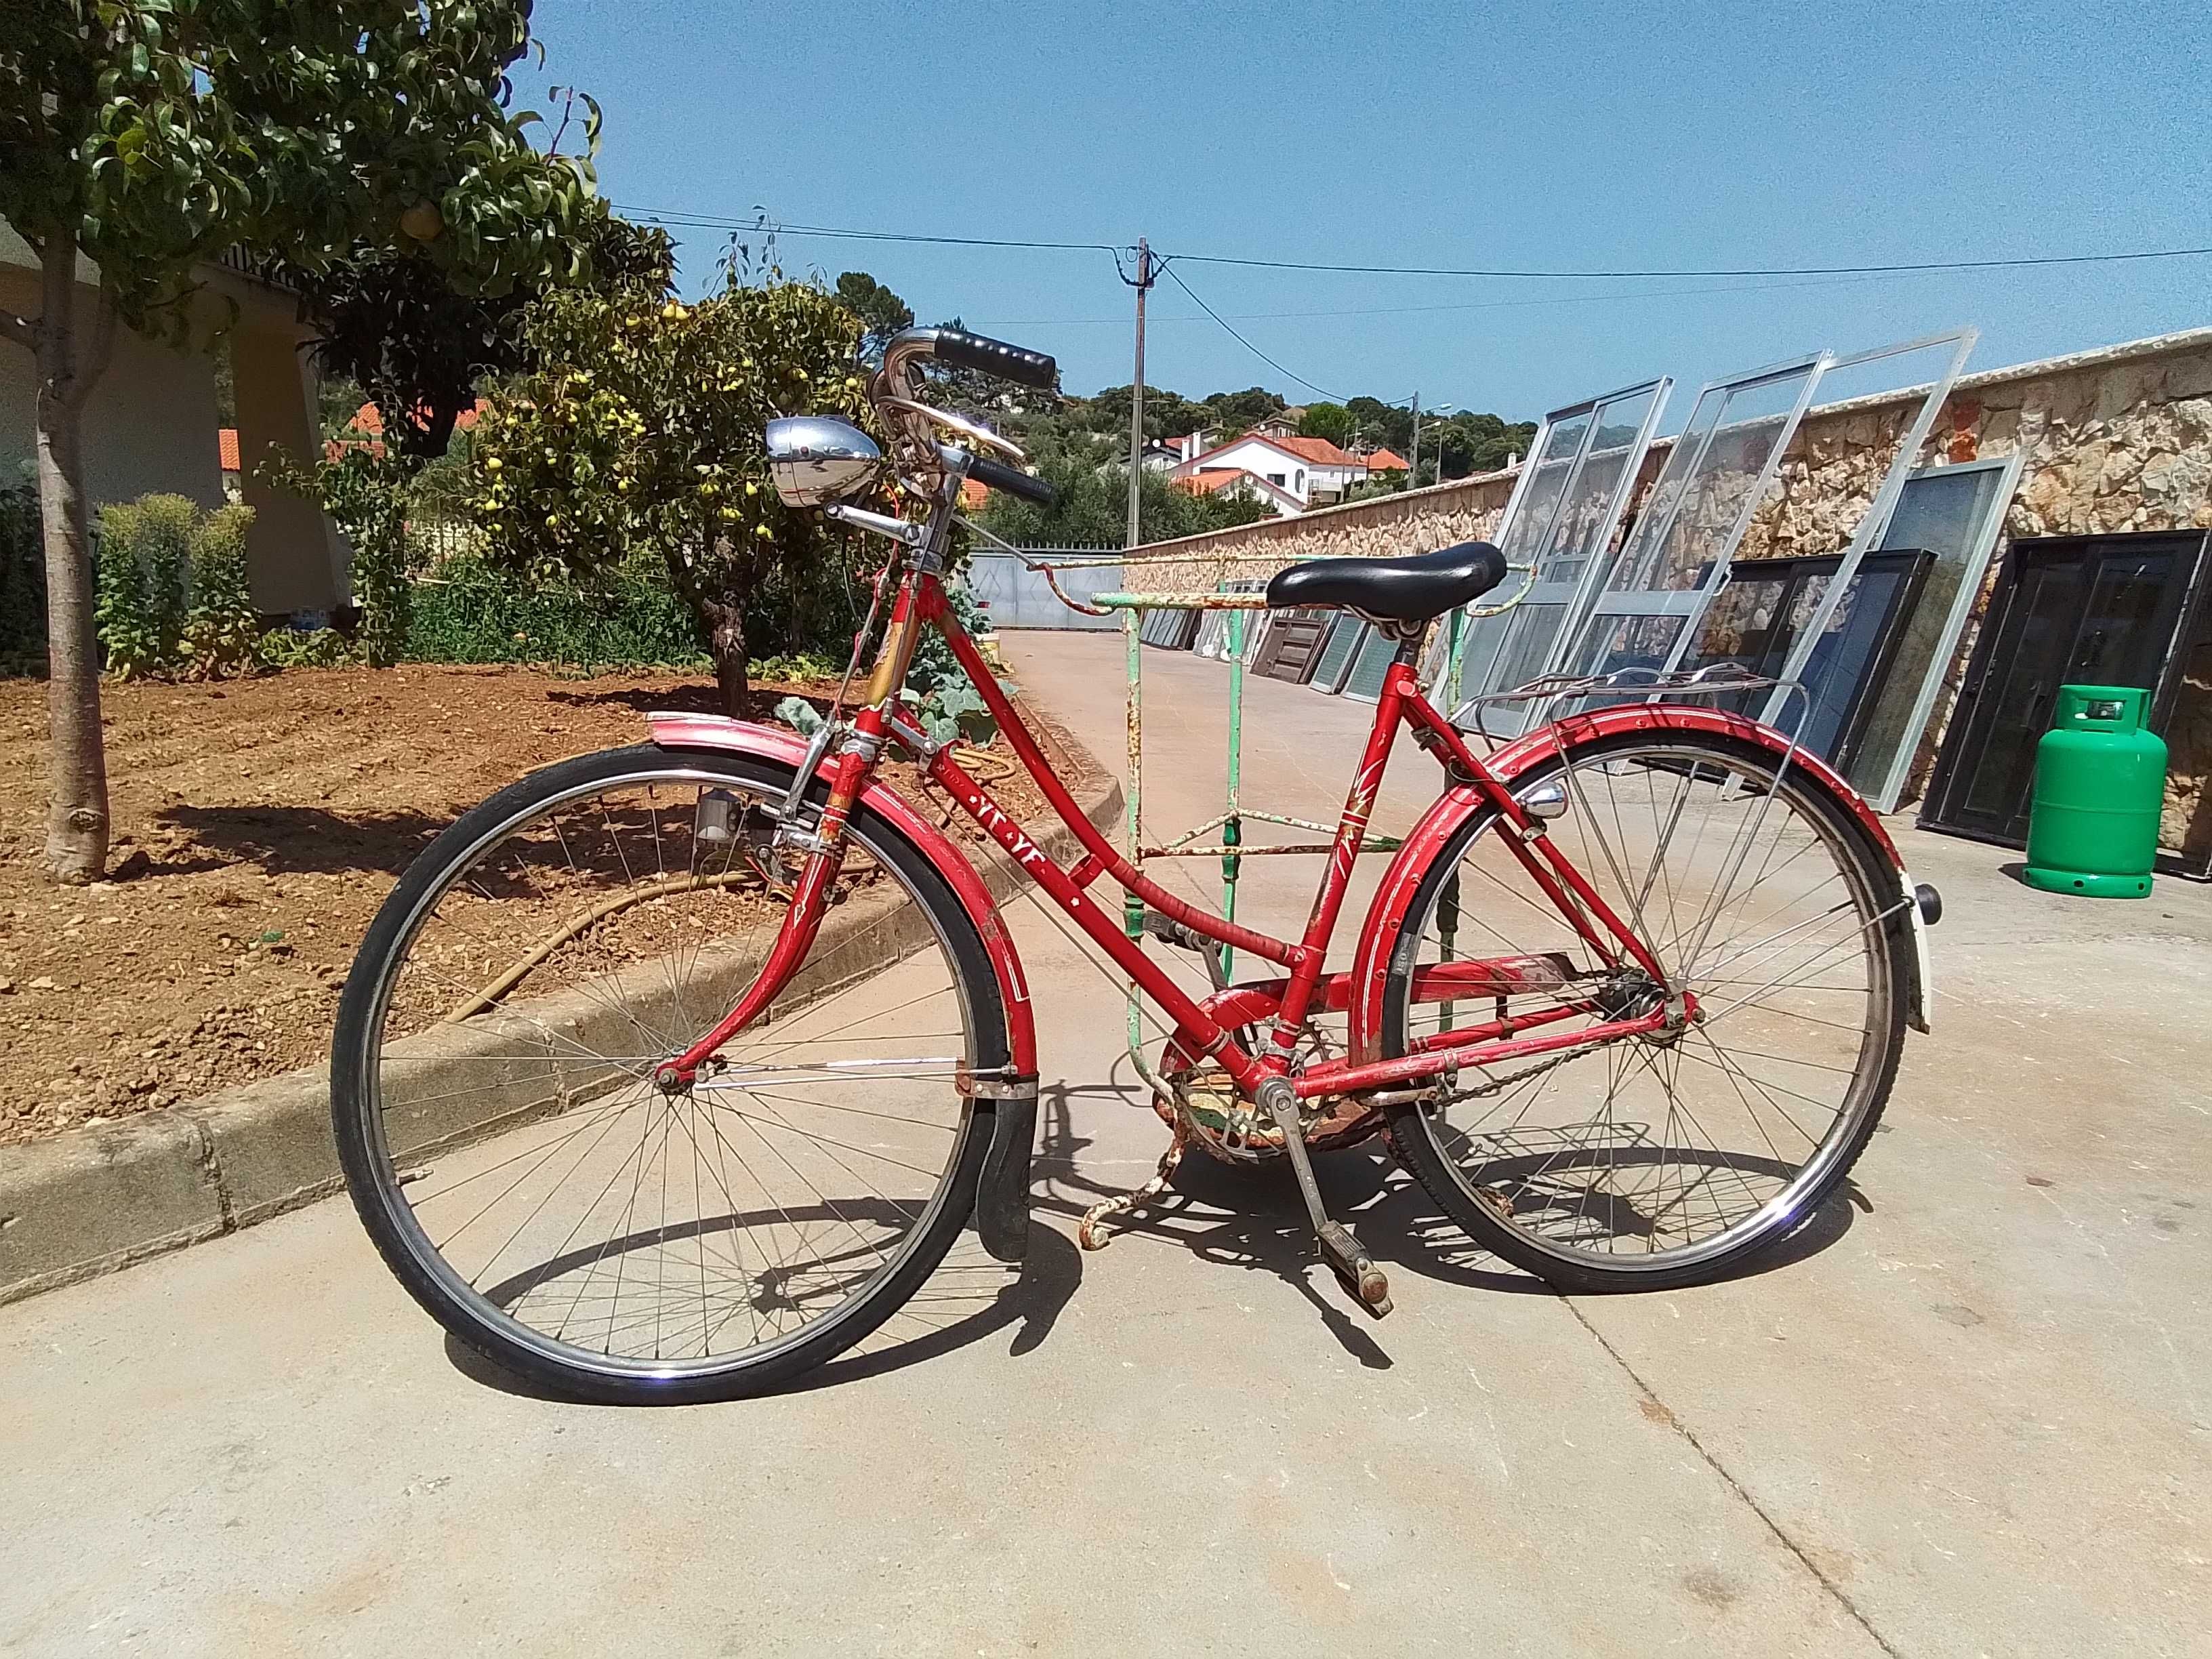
{"x":366,"y":429}
{"x":1384,"y":460}
{"x":1235,"y":481}
{"x":1310,"y":471}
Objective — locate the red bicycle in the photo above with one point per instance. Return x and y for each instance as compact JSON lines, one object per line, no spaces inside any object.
{"x":671,"y":1072}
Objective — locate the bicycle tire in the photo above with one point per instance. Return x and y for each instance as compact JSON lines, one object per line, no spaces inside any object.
{"x":1416,"y":1138}
{"x":373,"y":1180}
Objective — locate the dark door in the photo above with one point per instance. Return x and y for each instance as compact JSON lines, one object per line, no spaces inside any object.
{"x":1754,"y":621}
{"x":2072,"y":609}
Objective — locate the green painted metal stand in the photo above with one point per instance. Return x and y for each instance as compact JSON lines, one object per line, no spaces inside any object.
{"x":1231,"y":848}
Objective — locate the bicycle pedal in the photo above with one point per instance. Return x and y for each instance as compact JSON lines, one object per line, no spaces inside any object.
{"x":1355,"y":1267}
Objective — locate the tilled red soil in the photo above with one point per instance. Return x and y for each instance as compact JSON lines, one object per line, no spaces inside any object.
{"x":258,"y":825}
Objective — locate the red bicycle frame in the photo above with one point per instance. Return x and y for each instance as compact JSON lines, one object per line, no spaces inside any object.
{"x":920,"y":602}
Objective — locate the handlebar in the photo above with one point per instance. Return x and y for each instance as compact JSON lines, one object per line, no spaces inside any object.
{"x":997,"y":475}
{"x":986,"y":357}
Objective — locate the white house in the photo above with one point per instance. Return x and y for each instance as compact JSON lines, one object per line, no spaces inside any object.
{"x":151,"y":423}
{"x":1310,"y":471}
{"x":1235,"y":481}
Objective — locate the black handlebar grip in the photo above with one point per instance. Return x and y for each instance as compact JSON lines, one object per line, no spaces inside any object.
{"x":997,"y":475}
{"x":996,"y":357}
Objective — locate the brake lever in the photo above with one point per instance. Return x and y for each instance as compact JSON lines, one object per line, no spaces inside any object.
{"x":974,"y":431}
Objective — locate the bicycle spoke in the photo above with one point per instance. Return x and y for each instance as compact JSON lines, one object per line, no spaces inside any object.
{"x":572,"y":1195}
{"x":1674,"y":1144}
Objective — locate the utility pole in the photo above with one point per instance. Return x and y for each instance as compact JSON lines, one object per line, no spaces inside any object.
{"x":1414,"y":467}
{"x":1137,"y":392}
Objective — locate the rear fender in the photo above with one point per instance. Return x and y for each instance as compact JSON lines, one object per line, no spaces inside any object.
{"x":1451,"y":810}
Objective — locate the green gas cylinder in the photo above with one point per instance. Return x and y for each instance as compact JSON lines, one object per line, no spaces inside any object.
{"x":2099,"y":783}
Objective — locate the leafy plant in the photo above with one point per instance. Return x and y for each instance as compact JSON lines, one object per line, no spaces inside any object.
{"x":366,"y":492}
{"x":800,"y":716}
{"x":220,"y":625}
{"x":174,"y":595}
{"x":639,"y":430}
{"x":319,"y":647}
{"x":22,"y":582}
{"x":475,"y":610}
{"x":151,"y":136}
{"x":145,"y":552}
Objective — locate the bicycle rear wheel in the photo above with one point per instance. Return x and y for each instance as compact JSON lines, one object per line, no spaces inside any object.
{"x":1670,"y":1158}
{"x":533,"y":1186}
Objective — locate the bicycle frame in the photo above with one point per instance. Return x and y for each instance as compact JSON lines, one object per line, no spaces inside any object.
{"x":920,"y":602}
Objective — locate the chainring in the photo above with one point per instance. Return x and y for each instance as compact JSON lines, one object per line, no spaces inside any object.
{"x":1216,"y":1117}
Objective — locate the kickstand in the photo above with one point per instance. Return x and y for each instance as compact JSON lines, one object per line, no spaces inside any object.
{"x":1086,"y":1231}
{"x":1353,"y":1265}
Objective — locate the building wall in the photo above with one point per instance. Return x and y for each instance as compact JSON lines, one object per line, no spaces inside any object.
{"x":151,"y":421}
{"x":1265,"y":459}
{"x":2115,"y":440}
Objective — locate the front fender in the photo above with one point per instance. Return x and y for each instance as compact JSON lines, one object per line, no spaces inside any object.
{"x":1451,"y":809}
{"x":716,"y":731}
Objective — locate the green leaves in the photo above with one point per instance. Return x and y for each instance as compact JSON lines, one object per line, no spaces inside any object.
{"x":642,"y":429}
{"x":169,"y":133}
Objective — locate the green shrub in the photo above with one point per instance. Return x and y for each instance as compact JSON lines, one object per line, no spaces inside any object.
{"x":145,"y":552}
{"x":474,"y":612}
{"x":319,"y":647}
{"x":220,"y":625}
{"x":173,"y":596}
{"x":22,"y":582}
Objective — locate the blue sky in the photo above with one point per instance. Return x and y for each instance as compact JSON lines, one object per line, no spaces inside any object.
{"x":1564,"y":136}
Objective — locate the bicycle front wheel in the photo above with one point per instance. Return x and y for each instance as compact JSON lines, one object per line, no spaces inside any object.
{"x":1675,"y":1156}
{"x":528,"y":1181}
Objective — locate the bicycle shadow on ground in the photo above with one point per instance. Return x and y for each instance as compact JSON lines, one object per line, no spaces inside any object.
{"x":1253,"y":1219}
{"x":968,"y":1299}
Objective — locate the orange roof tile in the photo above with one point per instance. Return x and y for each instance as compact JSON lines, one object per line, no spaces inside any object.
{"x":370,"y":420}
{"x":1384,"y":460}
{"x":1318,"y":450}
{"x":226,"y":446}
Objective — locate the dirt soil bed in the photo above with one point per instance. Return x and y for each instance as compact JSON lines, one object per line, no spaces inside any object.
{"x":258,"y":825}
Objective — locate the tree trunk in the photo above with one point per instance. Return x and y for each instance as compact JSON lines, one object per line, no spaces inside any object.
{"x":726,"y":644}
{"x":77,"y":821}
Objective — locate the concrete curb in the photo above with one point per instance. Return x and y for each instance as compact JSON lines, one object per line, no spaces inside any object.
{"x":92,"y":1200}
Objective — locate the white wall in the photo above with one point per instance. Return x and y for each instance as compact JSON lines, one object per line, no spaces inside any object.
{"x":150,"y":423}
{"x":1255,"y":456}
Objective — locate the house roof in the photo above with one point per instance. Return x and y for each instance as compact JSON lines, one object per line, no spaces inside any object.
{"x":1314,"y":452}
{"x":1214,"y":479}
{"x":1318,"y":452}
{"x":226,"y":446}
{"x":368,"y":420}
{"x":972,"y":494}
{"x":1385,"y":460}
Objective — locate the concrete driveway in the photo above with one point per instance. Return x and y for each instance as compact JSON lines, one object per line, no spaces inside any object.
{"x":1971,"y":1414}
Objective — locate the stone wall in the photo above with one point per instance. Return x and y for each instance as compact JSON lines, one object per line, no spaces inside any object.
{"x":2116,"y":440}
{"x":1414,"y":521}
{"x":2113,"y":441}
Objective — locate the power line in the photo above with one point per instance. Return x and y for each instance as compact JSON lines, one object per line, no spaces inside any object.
{"x":710,"y":222}
{"x":1412,"y":311}
{"x":770,"y":227}
{"x":1333,"y":397}
{"x":1744,"y":270}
